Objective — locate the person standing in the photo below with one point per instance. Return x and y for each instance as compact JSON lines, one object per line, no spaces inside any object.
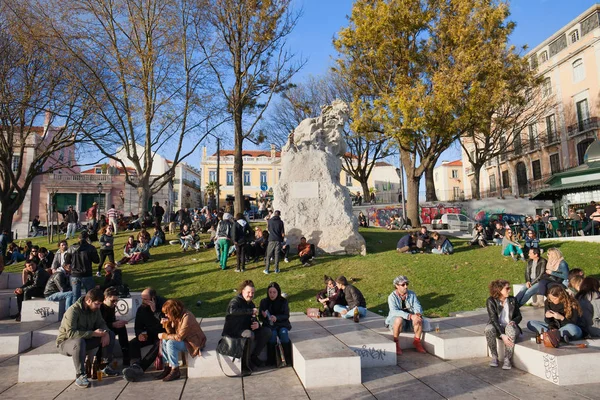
{"x":224,"y":232}
{"x":406,"y":313}
{"x":82,"y":331}
{"x":112,"y":215}
{"x":504,"y":317}
{"x":92,"y":216}
{"x":157,"y":213}
{"x":354,"y":299}
{"x":276,"y":234}
{"x":84,"y":254}
{"x":240,"y":235}
{"x":106,"y":248}
{"x":71,"y":218}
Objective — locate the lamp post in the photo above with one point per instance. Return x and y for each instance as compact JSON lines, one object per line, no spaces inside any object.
{"x":53,"y":192}
{"x":400,"y":173}
{"x":99,"y":197}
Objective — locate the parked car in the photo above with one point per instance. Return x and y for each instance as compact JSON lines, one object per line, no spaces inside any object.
{"x":455,"y":222}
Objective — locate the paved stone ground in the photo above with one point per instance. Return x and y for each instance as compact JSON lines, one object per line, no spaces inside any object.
{"x":416,"y":376}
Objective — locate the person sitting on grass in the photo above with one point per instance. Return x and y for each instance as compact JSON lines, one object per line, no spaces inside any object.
{"x":589,"y":300}
{"x":330,"y":296}
{"x":504,"y":317}
{"x":441,"y":244}
{"x":274,"y":312}
{"x":14,"y":254}
{"x":158,"y":237}
{"x":354,"y":300}
{"x":183,"y":333}
{"x":531,"y":241}
{"x":394,"y":223}
{"x":141,"y":252}
{"x":423,"y":239}
{"x":406,"y":314}
{"x":510,"y":246}
{"x":562,"y":312}
{"x":128,"y":250}
{"x":113,"y":277}
{"x":406,"y":244}
{"x":306,"y":252}
{"x":479,"y":236}
{"x":498,"y":235}
{"x":362,"y":220}
{"x":185,"y":238}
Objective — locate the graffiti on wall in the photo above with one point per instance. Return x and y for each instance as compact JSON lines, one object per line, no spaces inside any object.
{"x":487,"y":214}
{"x":381,"y":216}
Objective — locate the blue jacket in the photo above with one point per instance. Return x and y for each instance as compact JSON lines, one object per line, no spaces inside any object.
{"x":395,"y":305}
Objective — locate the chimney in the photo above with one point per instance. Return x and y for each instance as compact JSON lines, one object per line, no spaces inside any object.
{"x":273,"y":151}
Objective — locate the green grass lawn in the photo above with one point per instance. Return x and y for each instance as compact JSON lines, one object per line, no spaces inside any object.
{"x":442,"y":283}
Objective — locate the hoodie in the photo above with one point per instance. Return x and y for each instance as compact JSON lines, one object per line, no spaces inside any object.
{"x":84,"y":254}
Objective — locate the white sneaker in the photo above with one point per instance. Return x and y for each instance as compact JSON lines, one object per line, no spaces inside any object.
{"x":494,"y":362}
{"x":286,"y":260}
{"x":98,"y":274}
{"x":506,"y":364}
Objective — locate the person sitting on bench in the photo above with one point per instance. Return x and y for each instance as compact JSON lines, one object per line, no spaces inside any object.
{"x":33,"y":287}
{"x":274,"y":312}
{"x":58,"y":286}
{"x":356,"y":305}
{"x":405,"y":313}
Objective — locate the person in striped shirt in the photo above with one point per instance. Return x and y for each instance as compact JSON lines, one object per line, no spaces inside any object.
{"x":113,"y":214}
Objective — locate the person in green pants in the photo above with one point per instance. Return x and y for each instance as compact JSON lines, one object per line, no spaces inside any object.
{"x":224,"y":238}
{"x":510,"y":246}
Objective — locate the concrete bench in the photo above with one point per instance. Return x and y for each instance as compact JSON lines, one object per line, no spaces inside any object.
{"x":10,"y":280}
{"x":45,"y":364}
{"x":15,"y":338}
{"x":126,"y":308}
{"x":374,"y":349}
{"x":8,"y":303}
{"x":42,"y":310}
{"x":319,"y":357}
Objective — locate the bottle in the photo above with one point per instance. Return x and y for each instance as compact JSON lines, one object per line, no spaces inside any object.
{"x":356,"y":317}
{"x":95,"y":368}
{"x":269,"y":318}
{"x":538,"y":338}
{"x":88,"y":366}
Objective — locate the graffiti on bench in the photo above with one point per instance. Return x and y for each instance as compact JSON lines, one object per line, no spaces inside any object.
{"x":551,"y":368}
{"x":375,"y":354}
{"x":122,"y":307}
{"x":44,"y":311}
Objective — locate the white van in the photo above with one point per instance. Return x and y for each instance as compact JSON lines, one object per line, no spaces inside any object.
{"x":454,"y":222}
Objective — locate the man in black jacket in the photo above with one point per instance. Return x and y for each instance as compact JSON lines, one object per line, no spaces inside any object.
{"x":536,"y":267}
{"x":71,"y":218}
{"x":59,"y":285}
{"x":107,"y":309}
{"x":239,"y":235}
{"x":354,"y":298}
{"x":34,"y":287}
{"x":147,"y":327}
{"x":83,"y":255}
{"x":157,"y":213}
{"x":276,"y":235}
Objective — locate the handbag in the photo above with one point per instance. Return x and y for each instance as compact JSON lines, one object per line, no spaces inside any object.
{"x":551,"y":338}
{"x":280,"y":361}
{"x":234,"y":348}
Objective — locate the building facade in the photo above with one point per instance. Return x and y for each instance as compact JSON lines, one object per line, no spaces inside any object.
{"x":569,"y":62}
{"x":448,"y":180}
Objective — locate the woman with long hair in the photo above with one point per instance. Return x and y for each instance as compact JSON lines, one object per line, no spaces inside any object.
{"x":511,"y":247}
{"x":562,"y":312}
{"x":183,"y":333}
{"x":589,"y":300}
{"x":275,"y":315}
{"x":504,"y":317}
{"x":557,"y":273}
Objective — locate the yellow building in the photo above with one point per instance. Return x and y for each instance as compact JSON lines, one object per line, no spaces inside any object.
{"x":262,"y":169}
{"x":448,"y":180}
{"x":569,"y":62}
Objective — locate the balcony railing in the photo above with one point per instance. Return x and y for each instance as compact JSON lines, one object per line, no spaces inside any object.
{"x":81,"y":178}
{"x":583,"y":126}
{"x":552,"y":137}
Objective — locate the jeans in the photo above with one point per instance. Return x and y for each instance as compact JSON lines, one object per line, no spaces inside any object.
{"x":282,"y":333}
{"x":572,"y":331}
{"x":135,"y":346}
{"x":113,"y":222}
{"x":447,"y":248}
{"x":79,"y":348}
{"x":498,"y":241}
{"x":28,"y":294}
{"x":512,"y":249}
{"x":273,"y":250}
{"x":103,"y":254}
{"x":58,"y":296}
{"x":240,"y":250}
{"x":71,"y":230}
{"x":224,"y":251}
{"x":76,"y":282}
{"x":350,"y":314}
{"x":170,"y":351}
{"x":155,"y":241}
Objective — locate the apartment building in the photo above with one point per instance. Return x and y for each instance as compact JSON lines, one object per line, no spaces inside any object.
{"x":569,"y":62}
{"x":448,"y":180}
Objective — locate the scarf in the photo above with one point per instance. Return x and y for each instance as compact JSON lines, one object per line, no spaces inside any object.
{"x":553,"y":265}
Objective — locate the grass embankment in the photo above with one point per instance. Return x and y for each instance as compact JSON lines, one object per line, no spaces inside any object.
{"x":442,"y":283}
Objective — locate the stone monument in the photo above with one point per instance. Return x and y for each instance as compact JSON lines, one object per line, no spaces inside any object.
{"x":309,"y":195}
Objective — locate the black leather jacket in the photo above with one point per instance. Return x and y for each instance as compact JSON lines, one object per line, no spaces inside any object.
{"x":494,"y":308}
{"x":58,"y":282}
{"x":541,"y":267}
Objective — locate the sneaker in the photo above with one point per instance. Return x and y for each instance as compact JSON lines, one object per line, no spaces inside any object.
{"x":82,"y":381}
{"x":237,"y":270}
{"x":98,"y":274}
{"x":276,"y":270}
{"x":581,"y":233}
{"x":266,"y":272}
{"x":108,"y":371}
{"x":506,"y":364}
{"x":132,"y":373}
{"x":494,"y":362}
{"x":514,"y":257}
{"x":286,"y":260}
{"x":306,"y":264}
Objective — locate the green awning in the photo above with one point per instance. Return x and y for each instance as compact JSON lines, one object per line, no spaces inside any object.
{"x":554,"y":192}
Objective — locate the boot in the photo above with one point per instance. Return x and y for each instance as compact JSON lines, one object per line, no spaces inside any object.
{"x":418,"y":345}
{"x":271,"y":354}
{"x":173,"y":375}
{"x":287,"y":352}
{"x":166,"y":371}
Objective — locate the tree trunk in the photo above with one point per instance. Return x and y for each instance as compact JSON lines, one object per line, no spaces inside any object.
{"x":475,"y":186}
{"x":143,"y":190}
{"x":8,"y":212}
{"x":238,"y":164}
{"x":430,"y":184}
{"x":412,"y":200}
{"x":365,"y":189}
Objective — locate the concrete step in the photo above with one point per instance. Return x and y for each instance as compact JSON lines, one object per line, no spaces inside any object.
{"x":16,"y":338}
{"x":374,"y":349}
{"x":10,"y":280}
{"x":454,"y":343}
{"x":34,"y":365}
{"x":42,"y":310}
{"x":319,"y":357}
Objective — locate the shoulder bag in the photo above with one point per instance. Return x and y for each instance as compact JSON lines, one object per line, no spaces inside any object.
{"x":234,"y":348}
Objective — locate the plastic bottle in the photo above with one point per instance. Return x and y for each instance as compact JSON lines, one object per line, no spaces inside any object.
{"x":356,"y":317}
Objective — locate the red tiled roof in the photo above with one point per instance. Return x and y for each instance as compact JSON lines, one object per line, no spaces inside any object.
{"x":249,"y":153}
{"x":120,"y":169}
{"x":457,"y":163}
{"x":383,"y":164}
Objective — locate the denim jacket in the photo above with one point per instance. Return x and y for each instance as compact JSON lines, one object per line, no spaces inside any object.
{"x":395,"y":305}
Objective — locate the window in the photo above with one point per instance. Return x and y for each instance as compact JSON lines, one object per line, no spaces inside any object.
{"x":578,"y":70}
{"x":247,"y":181}
{"x":212,"y":176}
{"x":533,"y":137}
{"x":15,"y":163}
{"x":517,"y":143}
{"x":505,"y":180}
{"x":536,"y":169}
{"x":554,"y":163}
{"x":98,"y":171}
{"x":456,"y":192}
{"x":582,"y":148}
{"x":492,"y":183}
{"x":348,"y":180}
{"x":263,"y":177}
{"x":583,"y":113}
{"x":229,"y":178}
{"x":543,"y":56}
{"x":455,"y":173}
{"x":551,"y":128}
{"x":574,"y":36}
{"x":546,"y":87}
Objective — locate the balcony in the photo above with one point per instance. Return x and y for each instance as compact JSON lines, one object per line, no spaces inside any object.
{"x":552,"y":137}
{"x":96,"y":178}
{"x":583,"y":126}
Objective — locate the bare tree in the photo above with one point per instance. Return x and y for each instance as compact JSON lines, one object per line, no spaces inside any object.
{"x":141,"y":64}
{"x":32,"y":91}
{"x":248,"y":57}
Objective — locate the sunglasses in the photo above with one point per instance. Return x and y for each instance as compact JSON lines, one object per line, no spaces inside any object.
{"x":403,"y":284}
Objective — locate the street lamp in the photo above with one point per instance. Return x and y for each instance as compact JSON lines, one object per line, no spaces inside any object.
{"x":99,"y":196}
